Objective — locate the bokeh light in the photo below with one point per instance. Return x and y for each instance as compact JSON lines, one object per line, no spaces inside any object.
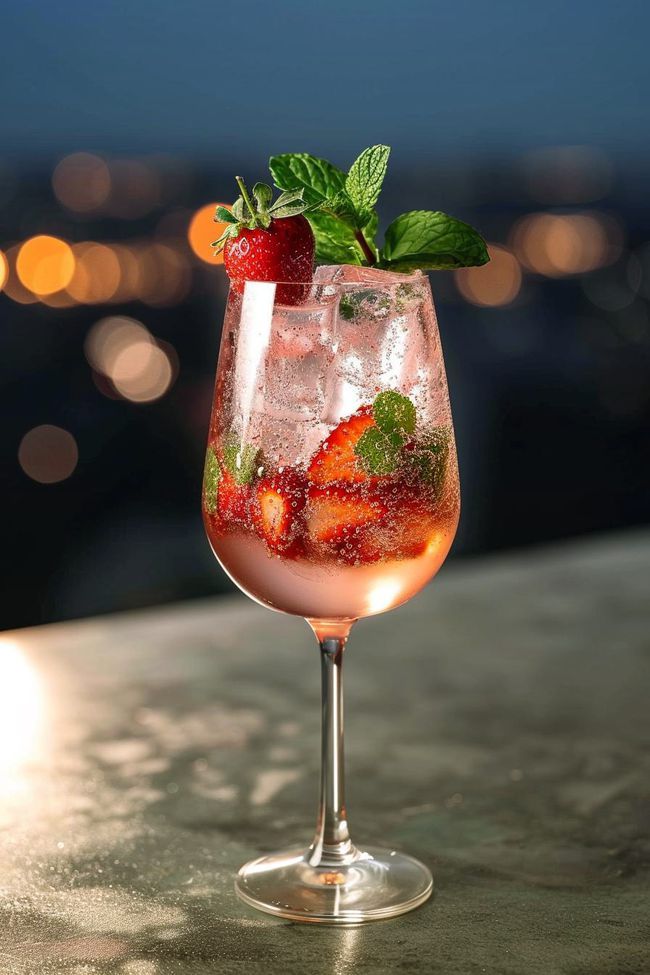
{"x":567,"y":174}
{"x":48,"y":454}
{"x":13,"y":286}
{"x":129,"y":286}
{"x":82,"y":182}
{"x":97,"y":273}
{"x":142,"y":372}
{"x":4,"y":270}
{"x":111,"y":336}
{"x":494,"y":284}
{"x":203,"y":229}
{"x":45,"y":264}
{"x":165,"y":275}
{"x":561,"y":244}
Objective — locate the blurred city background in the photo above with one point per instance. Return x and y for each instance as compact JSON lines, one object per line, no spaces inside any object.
{"x":123,"y":126}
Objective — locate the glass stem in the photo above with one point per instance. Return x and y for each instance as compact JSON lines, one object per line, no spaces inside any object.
{"x":332,"y":843}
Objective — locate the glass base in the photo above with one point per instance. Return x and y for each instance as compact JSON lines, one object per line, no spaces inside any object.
{"x":369,"y":886}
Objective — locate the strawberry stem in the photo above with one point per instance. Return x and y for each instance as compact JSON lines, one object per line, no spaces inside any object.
{"x":363,"y":244}
{"x":246,"y":198}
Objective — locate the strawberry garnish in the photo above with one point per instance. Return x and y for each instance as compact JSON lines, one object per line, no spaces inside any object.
{"x":336,"y":513}
{"x":335,"y":459}
{"x":276,"y":511}
{"x":266,"y":241}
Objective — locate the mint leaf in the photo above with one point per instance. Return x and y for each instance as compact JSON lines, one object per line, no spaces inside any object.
{"x":211,"y":477}
{"x":335,"y":241}
{"x":394,"y":412}
{"x":318,"y":178}
{"x":431,"y":241}
{"x":241,"y":460}
{"x":379,"y":453}
{"x":340,"y":205}
{"x":430,"y":456}
{"x":363,"y":182}
{"x":370,"y":302}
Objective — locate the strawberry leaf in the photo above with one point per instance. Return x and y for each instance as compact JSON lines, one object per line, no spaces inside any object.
{"x":284,"y":199}
{"x":263,"y":195}
{"x":224,"y":215}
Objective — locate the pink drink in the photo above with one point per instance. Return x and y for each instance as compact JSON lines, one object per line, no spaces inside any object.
{"x":331,"y":487}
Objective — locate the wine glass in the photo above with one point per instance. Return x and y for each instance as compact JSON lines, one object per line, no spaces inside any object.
{"x":331,"y":492}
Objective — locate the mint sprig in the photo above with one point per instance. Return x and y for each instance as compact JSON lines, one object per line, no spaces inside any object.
{"x":341,"y":211}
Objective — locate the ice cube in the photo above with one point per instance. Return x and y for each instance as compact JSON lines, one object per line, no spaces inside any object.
{"x":288,"y":363}
{"x":383,"y":338}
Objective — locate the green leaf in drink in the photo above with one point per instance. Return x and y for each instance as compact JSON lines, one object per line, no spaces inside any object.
{"x":211,"y":478}
{"x":379,"y":453}
{"x":394,"y":412}
{"x":241,"y":460}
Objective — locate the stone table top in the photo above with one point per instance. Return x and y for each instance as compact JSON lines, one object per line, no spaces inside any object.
{"x":497,"y":728}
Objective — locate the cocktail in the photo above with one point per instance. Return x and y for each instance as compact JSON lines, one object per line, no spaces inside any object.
{"x":331,"y":493}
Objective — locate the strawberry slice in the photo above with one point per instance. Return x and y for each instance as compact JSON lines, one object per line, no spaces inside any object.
{"x":276,"y":511}
{"x":337,"y":514}
{"x":335,"y":459}
{"x":233,"y":500}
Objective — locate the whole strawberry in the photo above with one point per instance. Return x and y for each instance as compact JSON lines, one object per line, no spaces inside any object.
{"x":266,"y":241}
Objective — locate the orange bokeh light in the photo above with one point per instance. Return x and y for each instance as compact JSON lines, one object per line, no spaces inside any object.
{"x":560,"y":244}
{"x":45,"y":264}
{"x":494,"y":284}
{"x":203,"y":229}
{"x":4,"y":270}
{"x":13,"y":286}
{"x":165,"y":275}
{"x":97,"y":273}
{"x":82,"y":182}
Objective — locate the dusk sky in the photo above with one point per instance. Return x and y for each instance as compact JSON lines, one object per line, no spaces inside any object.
{"x":229,"y":79}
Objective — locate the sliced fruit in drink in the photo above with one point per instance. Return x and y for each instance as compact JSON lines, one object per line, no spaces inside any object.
{"x":335,"y":459}
{"x":276,"y":511}
{"x":337,"y":513}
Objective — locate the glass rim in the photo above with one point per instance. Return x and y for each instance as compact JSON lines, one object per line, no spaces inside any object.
{"x":410,"y":277}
